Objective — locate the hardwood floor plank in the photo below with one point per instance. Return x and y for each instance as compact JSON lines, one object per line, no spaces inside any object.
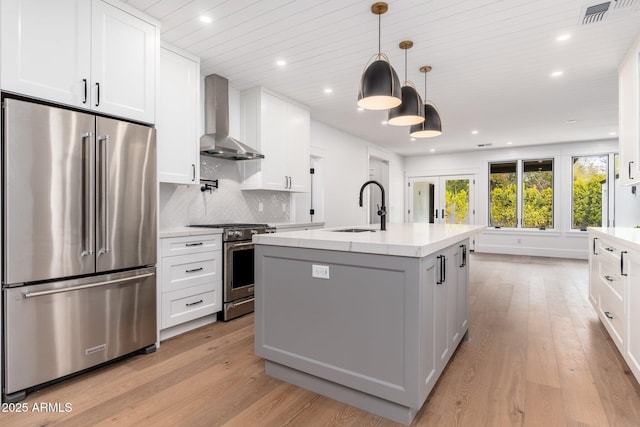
{"x":537,"y":356}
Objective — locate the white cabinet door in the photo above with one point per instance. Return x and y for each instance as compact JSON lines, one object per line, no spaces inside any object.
{"x":123,"y":59}
{"x":631,"y":267}
{"x":281,"y":131}
{"x":177,"y":124}
{"x":442,"y":309}
{"x":298,"y":142}
{"x":462,"y":285}
{"x":629,"y":120}
{"x":45,"y":49}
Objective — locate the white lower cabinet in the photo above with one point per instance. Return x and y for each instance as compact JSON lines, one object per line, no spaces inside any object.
{"x":191,"y":278}
{"x":614,"y":289}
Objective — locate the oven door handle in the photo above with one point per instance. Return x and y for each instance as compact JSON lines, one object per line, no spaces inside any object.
{"x":240,"y":245}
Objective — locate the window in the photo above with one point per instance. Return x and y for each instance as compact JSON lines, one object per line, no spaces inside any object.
{"x":589,"y":198}
{"x":503,"y":198}
{"x":521,"y":194}
{"x":537,"y":189}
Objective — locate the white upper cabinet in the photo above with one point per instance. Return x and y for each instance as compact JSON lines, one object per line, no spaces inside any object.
{"x":279,"y":129}
{"x":629,"y":116}
{"x":177,"y":124}
{"x":87,"y":54}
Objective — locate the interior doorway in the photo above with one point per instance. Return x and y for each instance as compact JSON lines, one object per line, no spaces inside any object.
{"x":441,"y":199}
{"x":378,"y":171}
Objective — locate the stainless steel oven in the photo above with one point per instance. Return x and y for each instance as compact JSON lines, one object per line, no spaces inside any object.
{"x":238,"y":272}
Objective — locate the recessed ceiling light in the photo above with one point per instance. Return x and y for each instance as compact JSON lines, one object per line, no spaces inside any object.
{"x":384,"y":122}
{"x":474,"y":132}
{"x":412,"y":139}
{"x":613,"y":133}
{"x":509,"y":143}
{"x":433,"y":150}
{"x":563,"y":37}
{"x":360,"y":109}
{"x":206,"y":19}
{"x":328,"y":90}
{"x":281,"y":62}
{"x":571,"y":121}
{"x":557,"y":73}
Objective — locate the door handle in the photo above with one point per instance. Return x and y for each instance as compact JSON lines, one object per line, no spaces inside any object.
{"x":87,"y":211}
{"x":98,"y":94}
{"x":193,"y":172}
{"x":463,"y":249}
{"x":442,"y":216}
{"x":28,"y":294}
{"x":436,"y":213}
{"x":609,"y":315}
{"x":595,"y":242}
{"x":193,"y":270}
{"x":630,"y":177}
{"x":104,"y":195}
{"x":622,"y":254}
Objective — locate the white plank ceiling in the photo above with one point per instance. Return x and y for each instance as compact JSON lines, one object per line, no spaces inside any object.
{"x":492,"y":62}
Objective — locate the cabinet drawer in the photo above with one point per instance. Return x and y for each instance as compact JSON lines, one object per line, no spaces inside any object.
{"x":609,"y":274}
{"x":611,"y":313}
{"x":191,"y":303}
{"x":191,"y":244}
{"x":190,"y":270}
{"x":609,"y":252}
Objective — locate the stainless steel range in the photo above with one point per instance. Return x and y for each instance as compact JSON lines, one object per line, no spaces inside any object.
{"x":238,"y":270}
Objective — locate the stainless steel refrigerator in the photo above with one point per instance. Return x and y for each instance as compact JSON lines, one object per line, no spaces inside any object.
{"x":79,"y":242}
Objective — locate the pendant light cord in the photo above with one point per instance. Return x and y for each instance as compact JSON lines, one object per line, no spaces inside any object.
{"x":379,"y":30}
{"x":425,"y":87}
{"x":405,"y":66}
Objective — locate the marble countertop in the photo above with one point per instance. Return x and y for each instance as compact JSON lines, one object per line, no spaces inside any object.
{"x":627,"y":235}
{"x":409,"y":240}
{"x":285,"y":225}
{"x":187,"y":231}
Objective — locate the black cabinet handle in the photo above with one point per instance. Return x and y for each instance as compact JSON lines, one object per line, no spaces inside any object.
{"x":193,"y":172}
{"x":443,"y":270}
{"x":608,"y":314}
{"x":84,"y":100}
{"x":193,"y":270}
{"x":98,"y":98}
{"x":463,"y":248}
{"x":194,"y":244}
{"x":594,"y":245}
{"x":436,"y":213}
{"x":622,"y":263}
{"x":630,"y":177}
{"x":189,"y":304}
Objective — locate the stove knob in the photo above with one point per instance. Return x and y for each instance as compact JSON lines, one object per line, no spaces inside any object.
{"x":238,"y":233}
{"x":254,"y":232}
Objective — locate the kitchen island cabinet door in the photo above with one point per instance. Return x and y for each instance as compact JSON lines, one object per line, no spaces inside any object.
{"x":631,"y":268}
{"x":177,"y":124}
{"x":45,"y":49}
{"x":123,"y":63}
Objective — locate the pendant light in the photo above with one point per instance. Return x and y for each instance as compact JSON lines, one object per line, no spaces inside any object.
{"x":379,"y":84}
{"x":432,"y":126}
{"x":411,"y":111}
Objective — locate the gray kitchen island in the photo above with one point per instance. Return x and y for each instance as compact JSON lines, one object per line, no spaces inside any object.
{"x":369,"y":318}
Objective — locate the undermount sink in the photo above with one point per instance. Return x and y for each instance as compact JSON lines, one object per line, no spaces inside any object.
{"x":354,"y":230}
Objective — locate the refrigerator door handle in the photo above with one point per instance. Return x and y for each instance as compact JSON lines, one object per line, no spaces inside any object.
{"x":28,"y":294}
{"x":88,"y":194}
{"x":104,"y":192}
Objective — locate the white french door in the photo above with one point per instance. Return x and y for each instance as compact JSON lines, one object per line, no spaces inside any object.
{"x":441,"y":199}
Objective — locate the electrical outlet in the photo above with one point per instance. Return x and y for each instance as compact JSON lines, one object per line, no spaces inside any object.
{"x":320,"y":271}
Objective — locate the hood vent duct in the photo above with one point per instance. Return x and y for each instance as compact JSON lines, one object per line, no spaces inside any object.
{"x":216,"y":141}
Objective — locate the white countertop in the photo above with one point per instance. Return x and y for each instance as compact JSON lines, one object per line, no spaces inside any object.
{"x":409,"y":240}
{"x":628,"y":235}
{"x":285,"y":225}
{"x":187,"y":231}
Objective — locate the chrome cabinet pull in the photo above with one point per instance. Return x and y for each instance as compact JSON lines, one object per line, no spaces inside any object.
{"x":104,"y":190}
{"x":193,"y":172}
{"x":595,"y":252}
{"x":189,"y":304}
{"x":610,"y":249}
{"x":194,"y":244}
{"x":98,"y":93}
{"x":630,"y":177}
{"x":84,"y":99}
{"x":609,"y":278}
{"x":193,"y":270}
{"x":443,"y":273}
{"x":622,"y":254}
{"x":463,"y":249}
{"x":609,"y":315}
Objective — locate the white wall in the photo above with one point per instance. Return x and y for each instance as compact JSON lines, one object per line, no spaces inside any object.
{"x":559,"y":242}
{"x":345,"y":163}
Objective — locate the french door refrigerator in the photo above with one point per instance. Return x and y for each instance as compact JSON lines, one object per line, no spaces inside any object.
{"x":79,"y":242}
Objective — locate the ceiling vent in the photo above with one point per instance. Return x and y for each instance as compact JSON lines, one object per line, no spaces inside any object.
{"x":604,"y":11}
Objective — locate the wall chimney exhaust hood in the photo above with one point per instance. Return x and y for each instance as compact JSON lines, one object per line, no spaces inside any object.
{"x":216,"y":141}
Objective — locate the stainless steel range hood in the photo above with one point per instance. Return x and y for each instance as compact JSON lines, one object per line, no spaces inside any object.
{"x":216,"y":141}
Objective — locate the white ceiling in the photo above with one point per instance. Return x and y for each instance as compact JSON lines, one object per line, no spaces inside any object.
{"x":491,"y":59}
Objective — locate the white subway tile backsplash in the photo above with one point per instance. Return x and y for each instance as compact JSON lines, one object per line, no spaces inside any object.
{"x":185,"y":204}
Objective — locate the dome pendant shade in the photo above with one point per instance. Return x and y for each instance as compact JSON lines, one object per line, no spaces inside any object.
{"x":432,"y":126}
{"x":379,"y":87}
{"x":410,"y":112}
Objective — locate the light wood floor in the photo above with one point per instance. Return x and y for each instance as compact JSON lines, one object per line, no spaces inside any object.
{"x":538,"y":356}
